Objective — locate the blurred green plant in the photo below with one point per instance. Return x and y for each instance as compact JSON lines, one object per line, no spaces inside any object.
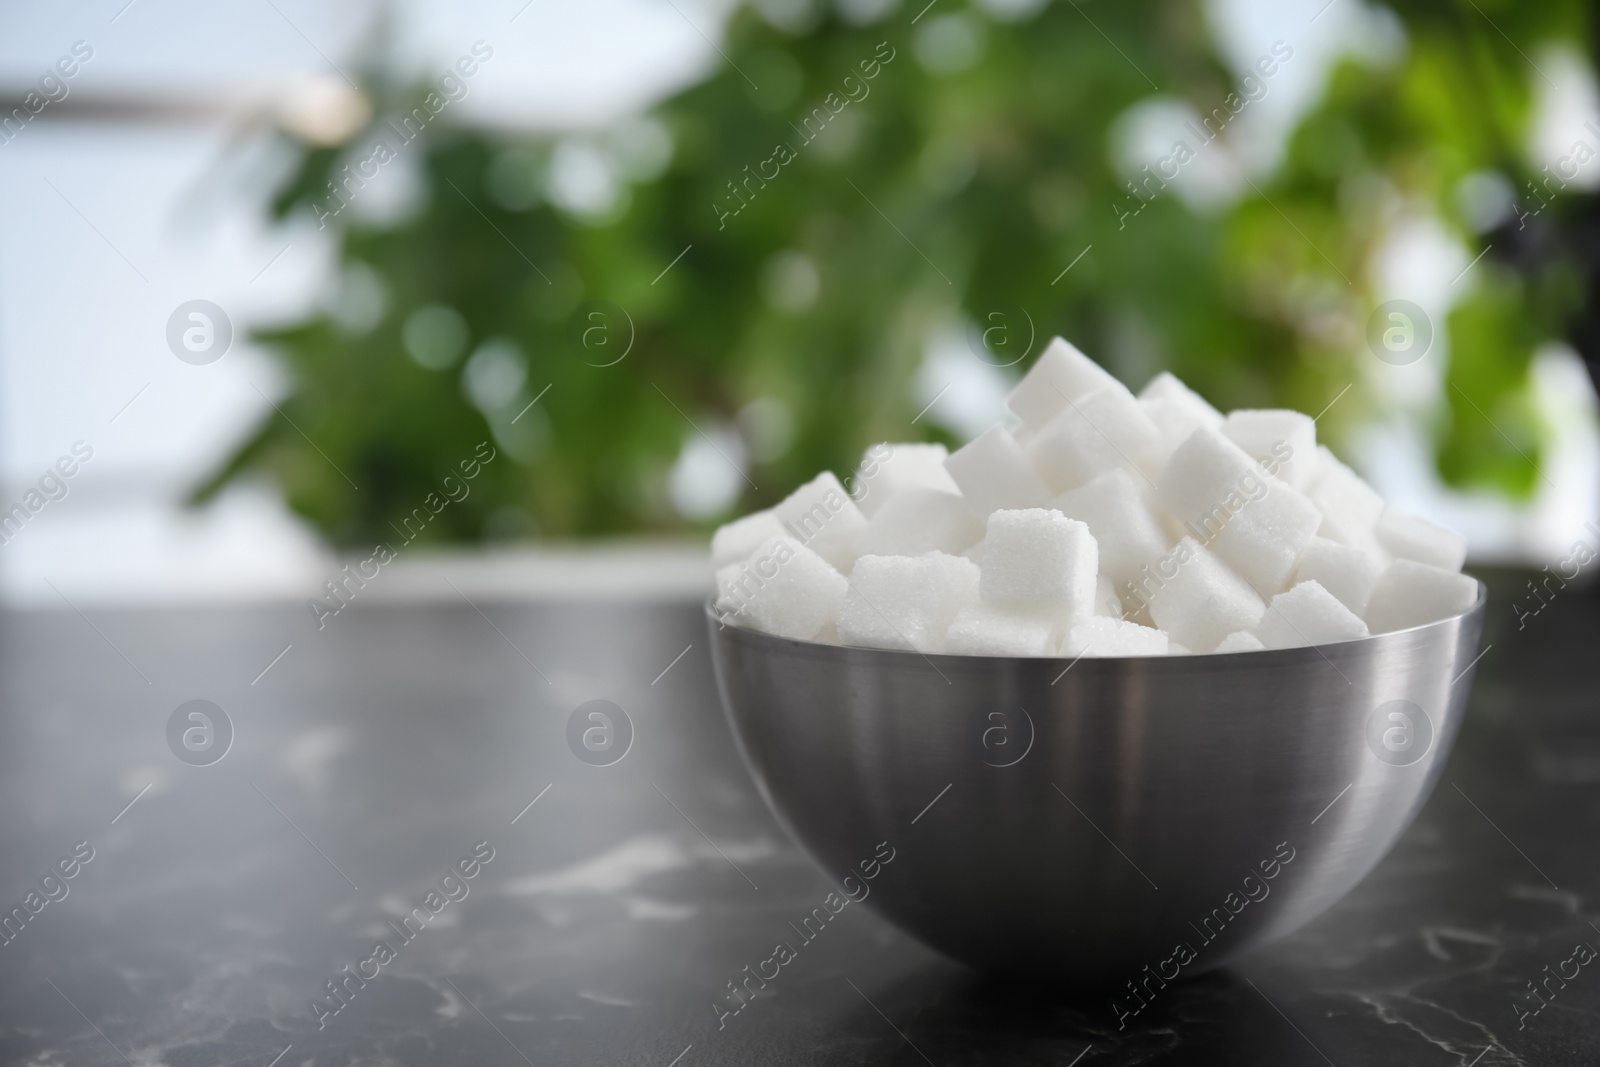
{"x":963,"y":162}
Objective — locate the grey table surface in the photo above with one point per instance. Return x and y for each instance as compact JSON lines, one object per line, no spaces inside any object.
{"x":620,"y":900}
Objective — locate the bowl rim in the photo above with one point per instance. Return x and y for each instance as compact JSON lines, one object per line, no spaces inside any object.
{"x":1479,"y":605}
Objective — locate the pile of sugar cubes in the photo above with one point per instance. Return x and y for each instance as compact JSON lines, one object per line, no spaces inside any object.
{"x":1094,"y":523}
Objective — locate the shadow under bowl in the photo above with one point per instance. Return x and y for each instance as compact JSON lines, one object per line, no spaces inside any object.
{"x":1081,"y":820}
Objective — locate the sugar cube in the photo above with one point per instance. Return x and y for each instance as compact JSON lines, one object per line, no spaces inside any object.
{"x":734,"y":542}
{"x":1176,"y":411}
{"x":1350,"y":507}
{"x":1175,"y":649}
{"x":1365,"y":541}
{"x":1167,"y":387}
{"x":1409,"y":594}
{"x":916,"y":519}
{"x":1240,"y":641}
{"x":993,"y":474}
{"x":1206,"y":480}
{"x":1120,"y":515}
{"x":1061,"y":373}
{"x":887,"y":468}
{"x":993,"y":630}
{"x":906,"y":602}
{"x":1173,"y":425}
{"x":1264,"y":540}
{"x":784,"y":588}
{"x":1198,"y":600}
{"x":1135,"y":600}
{"x":821,"y":516}
{"x":1308,"y":615}
{"x":1256,"y":523}
{"x":1409,"y":537}
{"x":1106,"y":600}
{"x":1285,"y":442}
{"x":1042,"y":558}
{"x":1100,"y":636}
{"x":725,"y":578}
{"x":1103,"y":431}
{"x":1348,"y":573}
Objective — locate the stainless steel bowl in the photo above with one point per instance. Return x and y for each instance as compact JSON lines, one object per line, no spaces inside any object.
{"x":1106,"y":820}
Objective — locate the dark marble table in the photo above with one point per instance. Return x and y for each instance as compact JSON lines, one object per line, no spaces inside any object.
{"x":620,"y":900}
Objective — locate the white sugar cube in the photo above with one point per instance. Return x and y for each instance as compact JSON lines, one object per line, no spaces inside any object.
{"x":1205,"y":481}
{"x":1061,"y":373}
{"x":1135,"y":598}
{"x":887,"y":468}
{"x":784,"y":588}
{"x":1042,"y":558}
{"x":1100,"y":636}
{"x":1349,"y":505}
{"x":1167,"y":387}
{"x":1308,"y":615}
{"x":1106,"y":600}
{"x":1199,"y":600}
{"x":1409,"y":537}
{"x":917,"y":519}
{"x":1174,"y":424}
{"x":906,"y":602}
{"x":1263,"y":542}
{"x":1240,"y":641}
{"x":725,"y":577}
{"x":1135,"y":592}
{"x":734,"y":542}
{"x":1175,"y":649}
{"x":1103,"y":431}
{"x":1176,"y":411}
{"x":1348,"y":573}
{"x":1120,"y":515}
{"x":992,"y":474}
{"x":1285,"y":442}
{"x":1365,"y":541}
{"x":1409,"y":594}
{"x":821,"y":516}
{"x":991,"y":630}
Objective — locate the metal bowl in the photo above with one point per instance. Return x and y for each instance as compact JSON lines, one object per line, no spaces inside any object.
{"x":1099,"y":821}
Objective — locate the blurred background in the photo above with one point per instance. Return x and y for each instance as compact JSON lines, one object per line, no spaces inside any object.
{"x":671,"y":257}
